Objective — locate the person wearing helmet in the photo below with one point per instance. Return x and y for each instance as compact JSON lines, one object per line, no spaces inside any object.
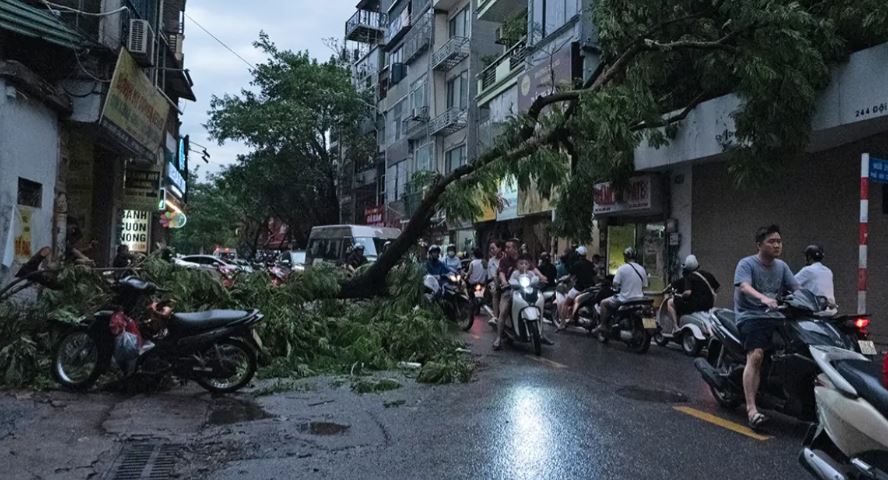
{"x":434,"y":265}
{"x":816,"y":276}
{"x":694,"y":292}
{"x":630,"y":282}
{"x":451,"y":261}
{"x":356,"y":258}
{"x":582,"y":272}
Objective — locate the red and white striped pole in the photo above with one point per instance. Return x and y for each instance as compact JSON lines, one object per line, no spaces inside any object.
{"x":864,"y":232}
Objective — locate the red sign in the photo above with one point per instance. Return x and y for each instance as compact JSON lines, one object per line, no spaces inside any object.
{"x":637,"y":196}
{"x":373,"y":216}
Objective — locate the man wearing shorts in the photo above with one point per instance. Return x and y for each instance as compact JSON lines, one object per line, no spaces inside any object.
{"x":758,"y":281}
{"x":583,"y":273}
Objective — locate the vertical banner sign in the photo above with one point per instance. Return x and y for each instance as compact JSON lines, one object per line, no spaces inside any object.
{"x":875,"y":170}
{"x":23,"y":247}
{"x":134,"y":230}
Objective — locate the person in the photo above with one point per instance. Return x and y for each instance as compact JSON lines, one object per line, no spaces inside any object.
{"x":561,"y":266}
{"x":434,"y":266}
{"x":582,"y":271}
{"x":758,"y":280}
{"x":630,"y":282}
{"x":477,"y":274}
{"x":495,"y":252}
{"x":600,"y":266}
{"x":451,"y":261}
{"x":507,"y":265}
{"x":522,"y":267}
{"x":123,"y":257}
{"x":356,"y":258}
{"x":695,"y":290}
{"x":72,"y":238}
{"x":547,"y":269}
{"x":816,"y":276}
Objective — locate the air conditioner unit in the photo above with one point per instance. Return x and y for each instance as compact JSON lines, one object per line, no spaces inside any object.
{"x":421,"y":113}
{"x":140,"y":42}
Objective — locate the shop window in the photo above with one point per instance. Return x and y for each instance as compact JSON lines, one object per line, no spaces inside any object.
{"x":30,"y":194}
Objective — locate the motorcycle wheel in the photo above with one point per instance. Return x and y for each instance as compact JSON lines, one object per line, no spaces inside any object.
{"x":660,"y":340}
{"x":641,"y":342}
{"x":690,"y":345}
{"x":75,"y":361}
{"x":464,"y":314}
{"x":233,"y":357}
{"x":537,"y":342}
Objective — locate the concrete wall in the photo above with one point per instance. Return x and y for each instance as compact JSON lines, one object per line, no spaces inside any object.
{"x":815,"y":200}
{"x":29,"y":148}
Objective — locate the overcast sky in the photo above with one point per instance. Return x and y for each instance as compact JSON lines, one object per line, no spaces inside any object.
{"x":292,"y":24}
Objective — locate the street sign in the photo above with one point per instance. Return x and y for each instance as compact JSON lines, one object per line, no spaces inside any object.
{"x":878,"y":170}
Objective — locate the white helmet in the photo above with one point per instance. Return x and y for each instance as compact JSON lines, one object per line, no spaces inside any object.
{"x":581,"y":250}
{"x":690,"y":264}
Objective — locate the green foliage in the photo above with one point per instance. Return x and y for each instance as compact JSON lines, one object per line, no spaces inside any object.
{"x":375,"y":386}
{"x":214,"y":215}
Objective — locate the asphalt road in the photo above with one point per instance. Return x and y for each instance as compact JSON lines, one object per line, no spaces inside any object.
{"x":582,"y":410}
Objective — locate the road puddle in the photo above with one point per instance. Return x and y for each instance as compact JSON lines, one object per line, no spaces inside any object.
{"x":227,"y":411}
{"x":322,"y":428}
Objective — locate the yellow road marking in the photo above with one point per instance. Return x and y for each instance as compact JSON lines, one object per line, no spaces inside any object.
{"x":546,"y":361}
{"x":721,"y":422}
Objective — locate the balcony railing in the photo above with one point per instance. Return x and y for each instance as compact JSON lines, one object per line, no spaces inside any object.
{"x":451,"y":54}
{"x":419,"y":39}
{"x":365,"y":27}
{"x":448,"y":123}
{"x":417,"y":126}
{"x":503,"y":68}
{"x":397,"y":27}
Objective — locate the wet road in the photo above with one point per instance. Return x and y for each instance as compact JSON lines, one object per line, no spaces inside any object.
{"x":583,"y":410}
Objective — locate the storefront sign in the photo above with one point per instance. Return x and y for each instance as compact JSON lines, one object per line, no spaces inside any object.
{"x":561,"y":67}
{"x":176,"y":180}
{"x":24,"y":248}
{"x":641,"y":197}
{"x":134,"y":231}
{"x":141,"y":189}
{"x":374,"y":216}
{"x":508,"y":200}
{"x":134,"y":105}
{"x":878,"y":170}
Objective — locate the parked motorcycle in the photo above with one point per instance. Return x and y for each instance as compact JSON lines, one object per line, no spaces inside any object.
{"x":279,"y":273}
{"x":216,"y":348}
{"x":525,"y":325}
{"x":788,"y":371}
{"x":691,"y":331}
{"x":856,"y":329}
{"x":633,"y":324}
{"x":449,"y":291}
{"x":850,"y":440}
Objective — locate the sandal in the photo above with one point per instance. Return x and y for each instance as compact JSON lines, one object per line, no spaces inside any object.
{"x":757,"y":421}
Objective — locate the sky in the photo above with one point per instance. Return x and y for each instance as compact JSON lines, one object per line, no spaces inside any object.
{"x":291,"y":24}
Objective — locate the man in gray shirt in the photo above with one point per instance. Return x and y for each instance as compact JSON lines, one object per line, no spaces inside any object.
{"x":758,"y":280}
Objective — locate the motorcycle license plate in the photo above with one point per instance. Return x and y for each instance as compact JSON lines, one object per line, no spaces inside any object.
{"x":649,"y":323}
{"x":479,"y":294}
{"x":867,"y":347}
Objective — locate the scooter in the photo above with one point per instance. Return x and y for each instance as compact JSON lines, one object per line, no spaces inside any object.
{"x":850,"y":440}
{"x":788,"y":371}
{"x":525,"y":325}
{"x":449,"y":291}
{"x":633,"y":324}
{"x":691,"y":331}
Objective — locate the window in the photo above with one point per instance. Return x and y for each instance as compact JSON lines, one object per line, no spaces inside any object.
{"x":459,"y":24}
{"x":396,"y":56}
{"x":396,"y":116}
{"x":30,"y":194}
{"x":424,"y":156}
{"x":550,"y":15}
{"x":455,"y":158}
{"x":458,"y":91}
{"x":418,"y":94}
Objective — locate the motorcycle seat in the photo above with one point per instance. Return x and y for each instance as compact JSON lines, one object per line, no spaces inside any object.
{"x":866,"y":378}
{"x":729,"y":319}
{"x":635,"y":304}
{"x":137,"y":285}
{"x":207,"y":320}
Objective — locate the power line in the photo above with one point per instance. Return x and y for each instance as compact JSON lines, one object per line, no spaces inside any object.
{"x":220,"y":42}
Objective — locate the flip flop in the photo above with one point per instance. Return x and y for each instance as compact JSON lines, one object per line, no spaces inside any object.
{"x":757,"y":421}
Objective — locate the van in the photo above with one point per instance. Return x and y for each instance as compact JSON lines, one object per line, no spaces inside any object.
{"x":331,"y":243}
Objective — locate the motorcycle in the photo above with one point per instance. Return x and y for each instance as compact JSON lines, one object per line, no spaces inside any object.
{"x":279,"y":273}
{"x":855,"y":329}
{"x":788,"y":371}
{"x":449,"y":291}
{"x":525,"y":325}
{"x":633,"y":323}
{"x":217,"y":348}
{"x":691,"y":331}
{"x":850,"y":440}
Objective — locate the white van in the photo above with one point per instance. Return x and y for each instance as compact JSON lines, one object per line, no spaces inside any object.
{"x":331,"y":243}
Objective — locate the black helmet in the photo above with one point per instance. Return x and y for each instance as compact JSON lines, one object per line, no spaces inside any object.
{"x":629,"y":253}
{"x":545,"y":256}
{"x":814,"y":252}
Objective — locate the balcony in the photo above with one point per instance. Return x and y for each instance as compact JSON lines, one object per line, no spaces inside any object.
{"x":448,"y":123}
{"x":445,"y":5}
{"x":451,"y":54}
{"x":365,"y":27}
{"x":419,"y":39}
{"x":397,"y":27}
{"x":499,"y":11}
{"x":417,"y":125}
{"x":502,"y":72}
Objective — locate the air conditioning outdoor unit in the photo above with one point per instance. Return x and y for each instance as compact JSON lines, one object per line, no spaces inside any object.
{"x":140,"y":42}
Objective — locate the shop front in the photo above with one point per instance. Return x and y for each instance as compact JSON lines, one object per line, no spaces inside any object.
{"x":635,"y":218}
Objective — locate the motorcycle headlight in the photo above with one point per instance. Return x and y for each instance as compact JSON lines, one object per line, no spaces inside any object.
{"x":524,"y":281}
{"x":453,"y":278}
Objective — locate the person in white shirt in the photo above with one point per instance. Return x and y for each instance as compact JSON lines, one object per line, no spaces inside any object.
{"x":477,"y":274}
{"x":816,"y":276}
{"x":630,"y":281}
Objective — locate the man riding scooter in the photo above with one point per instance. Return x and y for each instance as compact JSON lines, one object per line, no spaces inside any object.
{"x":583,"y":273}
{"x":817,"y":277}
{"x":630,"y":280}
{"x":695,"y":290}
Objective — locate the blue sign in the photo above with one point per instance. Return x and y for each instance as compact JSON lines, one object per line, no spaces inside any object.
{"x":878,"y":171}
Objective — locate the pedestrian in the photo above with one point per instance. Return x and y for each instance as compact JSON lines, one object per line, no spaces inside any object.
{"x":758,"y":280}
{"x":495,"y":253}
{"x":507,"y":265}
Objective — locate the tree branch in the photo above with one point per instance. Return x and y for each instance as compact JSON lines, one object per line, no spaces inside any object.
{"x":681,"y":115}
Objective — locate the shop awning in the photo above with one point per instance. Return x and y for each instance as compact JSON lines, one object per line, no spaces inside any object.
{"x":16,"y":16}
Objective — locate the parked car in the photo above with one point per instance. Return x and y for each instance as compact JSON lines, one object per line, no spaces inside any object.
{"x":209,"y":262}
{"x":332,"y":243}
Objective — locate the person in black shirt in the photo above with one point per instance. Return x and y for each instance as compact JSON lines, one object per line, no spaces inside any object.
{"x":583,"y":273}
{"x":695,"y":290}
{"x":547,"y":268}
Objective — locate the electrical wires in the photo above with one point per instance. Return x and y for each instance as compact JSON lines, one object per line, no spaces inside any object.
{"x":221,"y":42}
